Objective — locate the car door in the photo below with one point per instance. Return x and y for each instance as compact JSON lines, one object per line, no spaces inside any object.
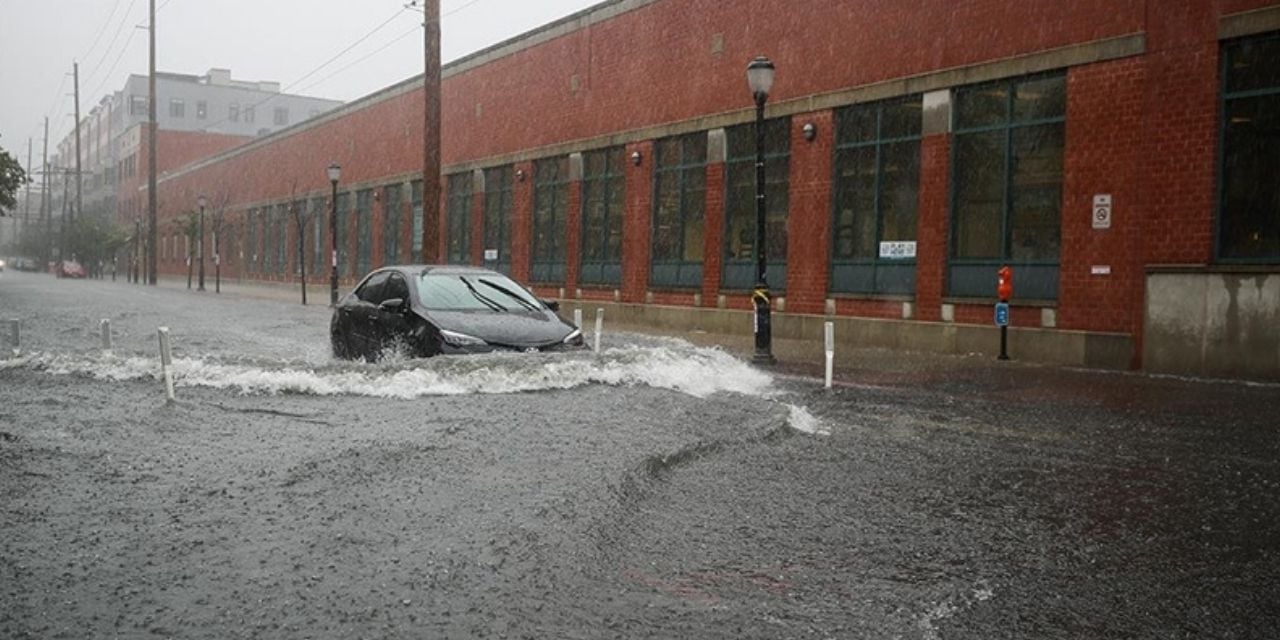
{"x":362,"y":313}
{"x":393,"y":322}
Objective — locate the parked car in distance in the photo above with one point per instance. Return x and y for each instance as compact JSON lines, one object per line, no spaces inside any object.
{"x":25,"y":264}
{"x":70,"y":269}
{"x":433,"y":310}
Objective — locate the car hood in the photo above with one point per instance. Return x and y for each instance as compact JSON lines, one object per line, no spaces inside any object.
{"x":521,"y":329}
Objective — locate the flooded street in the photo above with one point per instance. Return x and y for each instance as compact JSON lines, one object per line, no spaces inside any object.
{"x":657,"y":489}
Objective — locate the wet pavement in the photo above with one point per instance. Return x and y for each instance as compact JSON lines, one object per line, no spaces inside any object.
{"x":659,"y":489}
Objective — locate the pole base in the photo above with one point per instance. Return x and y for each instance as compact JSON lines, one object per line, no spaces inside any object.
{"x":763,"y":359}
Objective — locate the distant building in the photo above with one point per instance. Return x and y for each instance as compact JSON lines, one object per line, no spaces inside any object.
{"x":213,"y":112}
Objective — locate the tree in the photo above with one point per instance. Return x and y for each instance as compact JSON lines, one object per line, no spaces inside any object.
{"x":12,"y":178}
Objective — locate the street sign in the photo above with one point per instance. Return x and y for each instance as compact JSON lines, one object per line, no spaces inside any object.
{"x":490,"y":255}
{"x":1102,"y":211}
{"x":1002,"y":314}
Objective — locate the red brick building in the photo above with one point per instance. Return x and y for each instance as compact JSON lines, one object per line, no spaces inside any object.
{"x":1121,"y":155}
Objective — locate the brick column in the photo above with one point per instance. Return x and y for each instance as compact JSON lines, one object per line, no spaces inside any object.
{"x":522,"y":222}
{"x":637,"y":222}
{"x":573,"y":224}
{"x":932,"y":226}
{"x":477,"y":217}
{"x":809,"y":214}
{"x":713,"y":217}
{"x":379,"y":218}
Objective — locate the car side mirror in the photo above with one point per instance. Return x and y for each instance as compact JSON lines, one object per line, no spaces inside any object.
{"x":552,"y":304}
{"x":392,"y":305}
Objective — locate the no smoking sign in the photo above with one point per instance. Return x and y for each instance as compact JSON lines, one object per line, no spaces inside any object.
{"x":1102,"y":211}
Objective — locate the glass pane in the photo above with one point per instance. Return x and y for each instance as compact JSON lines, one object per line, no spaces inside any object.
{"x":899,"y":190}
{"x":982,"y":106}
{"x":666,"y":239}
{"x":740,"y":211}
{"x":613,"y":246}
{"x":668,"y":151}
{"x":901,"y":118}
{"x":1040,"y":99}
{"x":593,"y":225}
{"x":1036,"y":227}
{"x":695,"y":148}
{"x":594,"y":164}
{"x":777,"y":201}
{"x":979,"y":199}
{"x":855,"y":232}
{"x":1254,"y":64}
{"x":694,"y":203}
{"x":1250,"y":223}
{"x":856,"y":124}
{"x":741,"y":141}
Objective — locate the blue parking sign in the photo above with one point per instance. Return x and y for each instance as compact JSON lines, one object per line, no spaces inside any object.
{"x":1002,"y":314}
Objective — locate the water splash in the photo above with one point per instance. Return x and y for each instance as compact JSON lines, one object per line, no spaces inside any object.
{"x":698,"y":372}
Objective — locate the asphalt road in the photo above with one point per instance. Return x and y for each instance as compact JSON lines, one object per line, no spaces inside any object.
{"x":659,"y":489}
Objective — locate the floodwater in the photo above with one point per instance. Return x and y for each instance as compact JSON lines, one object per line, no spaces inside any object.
{"x":657,"y":489}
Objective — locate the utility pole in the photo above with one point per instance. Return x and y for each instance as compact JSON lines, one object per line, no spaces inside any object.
{"x":75,"y":72}
{"x":431,"y":133}
{"x":66,"y":197}
{"x":26,"y":212}
{"x":151,"y":159}
{"x":44,"y":199}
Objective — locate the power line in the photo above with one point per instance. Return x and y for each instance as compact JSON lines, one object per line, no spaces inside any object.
{"x":101,"y":31}
{"x":360,"y":59}
{"x":124,"y":19}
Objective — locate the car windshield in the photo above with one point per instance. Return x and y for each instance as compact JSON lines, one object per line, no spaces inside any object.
{"x":473,"y":292}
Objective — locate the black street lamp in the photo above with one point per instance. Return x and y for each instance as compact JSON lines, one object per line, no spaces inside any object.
{"x":217,"y":253}
{"x":203,"y":202}
{"x":760,"y":79}
{"x":335,"y":172}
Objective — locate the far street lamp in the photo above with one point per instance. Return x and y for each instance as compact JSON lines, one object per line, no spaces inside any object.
{"x":335,"y":173}
{"x":760,"y":79}
{"x":203,"y":202}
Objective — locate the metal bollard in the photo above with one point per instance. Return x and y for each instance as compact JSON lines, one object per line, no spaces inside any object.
{"x":577,"y":318}
{"x":830,"y":330}
{"x":15,"y":336}
{"x":599,"y":327}
{"x":105,"y":325}
{"x":166,"y":360}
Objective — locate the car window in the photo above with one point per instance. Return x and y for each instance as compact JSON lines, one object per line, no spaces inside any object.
{"x":371,"y":290}
{"x":473,"y":292}
{"x":396,"y":288}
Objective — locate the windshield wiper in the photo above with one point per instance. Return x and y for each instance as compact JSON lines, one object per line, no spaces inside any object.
{"x":488,"y":302}
{"x":510,"y":294}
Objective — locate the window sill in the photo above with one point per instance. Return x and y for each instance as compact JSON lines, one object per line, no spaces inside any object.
{"x":1016,"y":302}
{"x":877,"y":297}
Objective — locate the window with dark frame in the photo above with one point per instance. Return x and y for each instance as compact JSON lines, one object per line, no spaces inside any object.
{"x":137,"y":105}
{"x":458,"y":210}
{"x":319,"y":235}
{"x":550,"y":213}
{"x":364,"y":232}
{"x":233,"y":112}
{"x":280,"y":116}
{"x":344,"y":246}
{"x":1007,"y":172}
{"x":282,"y":238}
{"x":1248,"y":225}
{"x":251,"y":240}
{"x":498,"y":206}
{"x":390,"y":224}
{"x":604,"y":185}
{"x":248,"y":113}
{"x":202,"y":109}
{"x":876,"y":194}
{"x":740,"y":204}
{"x":177,"y":108}
{"x":297,"y":222}
{"x":415,"y":188}
{"x":679,"y":205}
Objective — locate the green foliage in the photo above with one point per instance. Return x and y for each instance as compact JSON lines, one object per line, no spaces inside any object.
{"x":12,"y":178}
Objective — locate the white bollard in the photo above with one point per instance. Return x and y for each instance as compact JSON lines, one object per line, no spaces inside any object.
{"x":105,"y":325}
{"x":831,"y":349}
{"x":577,"y":318}
{"x":599,"y":327}
{"x":166,"y":360}
{"x":15,"y":336}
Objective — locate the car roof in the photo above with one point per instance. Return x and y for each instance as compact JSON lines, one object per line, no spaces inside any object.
{"x":443,"y":269}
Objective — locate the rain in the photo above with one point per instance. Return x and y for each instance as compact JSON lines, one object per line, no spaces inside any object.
{"x":843,"y":352}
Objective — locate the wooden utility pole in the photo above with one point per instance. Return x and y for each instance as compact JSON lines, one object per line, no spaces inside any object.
{"x":151,"y":156}
{"x":26,"y":211}
{"x":44,"y":201}
{"x":431,"y":134}
{"x":75,"y":72}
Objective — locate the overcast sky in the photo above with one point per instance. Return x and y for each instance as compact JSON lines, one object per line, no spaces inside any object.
{"x":282,"y":40}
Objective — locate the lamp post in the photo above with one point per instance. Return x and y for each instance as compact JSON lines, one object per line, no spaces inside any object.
{"x":217,"y":253}
{"x":760,"y":79}
{"x":335,"y":172}
{"x":203,"y":202}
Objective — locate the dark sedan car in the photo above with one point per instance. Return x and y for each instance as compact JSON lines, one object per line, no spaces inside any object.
{"x":432,"y":310}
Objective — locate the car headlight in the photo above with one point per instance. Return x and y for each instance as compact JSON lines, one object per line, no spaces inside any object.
{"x":461,"y":339}
{"x":574,"y":338}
